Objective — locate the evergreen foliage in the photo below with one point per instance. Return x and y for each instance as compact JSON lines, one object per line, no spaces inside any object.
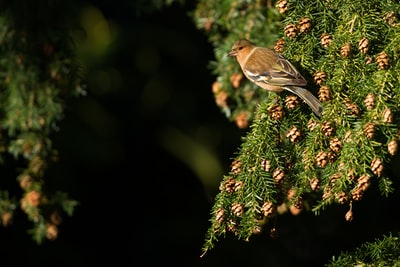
{"x":382,"y":252}
{"x":38,"y":74}
{"x":290,"y":160}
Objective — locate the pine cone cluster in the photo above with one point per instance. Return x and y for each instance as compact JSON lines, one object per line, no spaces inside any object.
{"x":231,"y":185}
{"x":220,"y":95}
{"x":363,"y":182}
{"x":6,"y":218}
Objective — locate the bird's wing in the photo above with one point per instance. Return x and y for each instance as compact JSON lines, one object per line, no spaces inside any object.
{"x":264,"y":77}
{"x":279,"y":73}
{"x":286,"y":72}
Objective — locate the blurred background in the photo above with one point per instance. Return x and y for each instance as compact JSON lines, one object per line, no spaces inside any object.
{"x":144,"y":151}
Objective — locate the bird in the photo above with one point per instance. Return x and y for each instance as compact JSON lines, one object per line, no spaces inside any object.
{"x":271,"y":71}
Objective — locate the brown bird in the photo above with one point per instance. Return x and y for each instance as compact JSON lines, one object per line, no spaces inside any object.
{"x":271,"y":71}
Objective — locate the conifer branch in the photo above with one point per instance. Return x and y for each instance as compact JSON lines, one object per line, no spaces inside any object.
{"x":38,"y":75}
{"x":290,"y":159}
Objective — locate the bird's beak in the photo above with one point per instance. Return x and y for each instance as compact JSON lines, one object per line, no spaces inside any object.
{"x":232,"y":53}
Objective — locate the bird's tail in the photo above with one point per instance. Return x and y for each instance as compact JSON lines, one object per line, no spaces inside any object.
{"x":307,"y":97}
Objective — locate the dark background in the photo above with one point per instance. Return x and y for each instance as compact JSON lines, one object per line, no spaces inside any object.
{"x":140,"y":203}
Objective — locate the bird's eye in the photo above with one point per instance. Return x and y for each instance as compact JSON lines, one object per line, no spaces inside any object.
{"x":240,"y":47}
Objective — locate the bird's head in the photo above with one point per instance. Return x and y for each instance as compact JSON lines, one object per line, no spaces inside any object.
{"x":238,"y":46}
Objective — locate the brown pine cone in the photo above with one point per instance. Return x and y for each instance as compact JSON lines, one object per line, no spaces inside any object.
{"x":377,"y":166}
{"x":276,"y":112}
{"x":352,"y":107}
{"x":312,"y":124}
{"x":322,"y":159}
{"x":363,"y":45}
{"x":327,"y":128}
{"x":282,"y":6}
{"x":369,"y":130}
{"x":335,"y":144}
{"x":220,"y":215}
{"x":235,"y":79}
{"x":229,"y":185}
{"x":266,"y":165}
{"x":387,"y":115}
{"x":294,"y":134}
{"x":292,"y":101}
{"x":383,"y":61}
{"x":326,"y":40}
{"x":304,"y":25}
{"x":291,"y":30}
{"x":314,"y":184}
{"x":393,"y":147}
{"x":319,"y":77}
{"x":279,"y":45}
{"x":236,"y":166}
{"x":278,"y":175}
{"x":268,"y":208}
{"x":324,"y":93}
{"x":345,"y":50}
{"x":391,"y":18}
{"x":242,"y":120}
{"x":370,"y":101}
{"x":349,"y":216}
{"x":237,"y":209}
{"x":363,"y":182}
